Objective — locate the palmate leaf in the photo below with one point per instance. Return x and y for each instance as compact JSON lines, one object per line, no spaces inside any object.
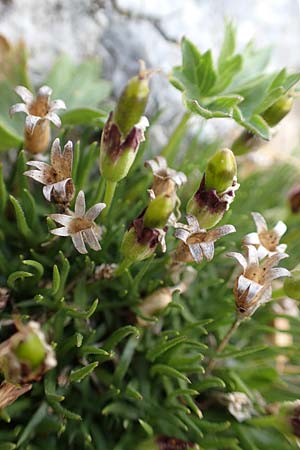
{"x":234,"y":86}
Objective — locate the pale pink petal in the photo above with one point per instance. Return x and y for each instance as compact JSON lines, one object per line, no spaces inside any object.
{"x":57,"y":104}
{"x":54,"y":118}
{"x":94,"y":211}
{"x":47,"y":191}
{"x":31,"y":122}
{"x":239,"y":257}
{"x":18,"y":107}
{"x":62,"y":219}
{"x":217,"y":233}
{"x":91,"y":239}
{"x":78,"y":243}
{"x":280,"y":228}
{"x":207,"y":250}
{"x":80,"y":205}
{"x":25,"y":94}
{"x":44,"y":91}
{"x":252,"y":256}
{"x":36,"y":175}
{"x":251,"y":239}
{"x":196,"y":252}
{"x":260,"y":222}
{"x":63,"y":231}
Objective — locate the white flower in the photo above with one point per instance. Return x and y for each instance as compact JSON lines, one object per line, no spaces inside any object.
{"x":266,"y":241}
{"x":80,"y":225}
{"x":39,"y":108}
{"x":199,"y":242}
{"x":253,"y":287}
{"x":57,"y":176}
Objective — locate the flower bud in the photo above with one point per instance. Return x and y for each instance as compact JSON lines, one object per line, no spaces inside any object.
{"x":159,"y":211}
{"x":153,"y":304}
{"x":292,"y":284}
{"x":132,"y":102}
{"x":246,"y":142}
{"x":221,"y":170}
{"x":139,"y":243}
{"x":26,"y":356}
{"x":276,"y":112}
{"x":117,"y":154}
{"x":166,"y":443}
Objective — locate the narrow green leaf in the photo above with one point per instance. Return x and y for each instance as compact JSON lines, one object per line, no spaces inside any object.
{"x":168,"y":371}
{"x":84,"y":116}
{"x":78,"y":314}
{"x":55,"y":280}
{"x":7,"y":446}
{"x":18,"y":275}
{"x":64,"y":412}
{"x":3,"y":191}
{"x":33,"y":423}
{"x":146,"y":427}
{"x":79,"y":374}
{"x":36,"y":265}
{"x":161,"y":347}
{"x":208,"y":383}
{"x":20,"y":216}
{"x":120,"y":334}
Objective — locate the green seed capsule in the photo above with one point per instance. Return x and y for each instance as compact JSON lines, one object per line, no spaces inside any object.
{"x":31,"y":351}
{"x":134,"y":250}
{"x":221,"y":170}
{"x":206,"y":216}
{"x":132,"y":103}
{"x":292,"y":284}
{"x":276,"y":112}
{"x":158,"y":211}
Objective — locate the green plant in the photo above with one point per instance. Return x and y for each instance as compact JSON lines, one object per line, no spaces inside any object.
{"x":159,"y":342}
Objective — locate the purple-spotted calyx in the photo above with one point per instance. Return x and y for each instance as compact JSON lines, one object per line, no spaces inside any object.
{"x":216,"y":191}
{"x":40,"y":112}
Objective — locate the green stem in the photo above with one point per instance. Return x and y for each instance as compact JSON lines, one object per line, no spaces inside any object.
{"x":125,"y":264}
{"x":223,"y":343}
{"x":109,"y":195}
{"x":170,"y":150}
{"x":100,"y":191}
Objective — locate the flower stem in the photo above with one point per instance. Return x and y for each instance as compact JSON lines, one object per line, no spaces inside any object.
{"x":171,"y":149}
{"x":109,"y":195}
{"x":125,"y":264}
{"x":223,"y":343}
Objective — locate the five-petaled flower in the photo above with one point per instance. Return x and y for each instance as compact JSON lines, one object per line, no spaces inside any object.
{"x":198,"y":243}
{"x":253,"y":287}
{"x":266,"y":241}
{"x":57,"y":176}
{"x":80,"y":225}
{"x":40,"y":111}
{"x":166,"y":180}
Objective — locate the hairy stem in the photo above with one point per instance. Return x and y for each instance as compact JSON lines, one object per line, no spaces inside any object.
{"x":223,"y":343}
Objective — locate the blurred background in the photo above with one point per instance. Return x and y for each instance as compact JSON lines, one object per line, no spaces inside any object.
{"x":121,"y":32}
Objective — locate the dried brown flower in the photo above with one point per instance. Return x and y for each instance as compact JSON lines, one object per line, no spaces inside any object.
{"x":166,"y":180}
{"x":10,"y":392}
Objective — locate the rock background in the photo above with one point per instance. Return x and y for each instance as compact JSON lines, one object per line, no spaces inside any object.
{"x":101,"y":27}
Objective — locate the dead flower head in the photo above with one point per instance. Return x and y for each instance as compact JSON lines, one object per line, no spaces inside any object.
{"x":40,"y":111}
{"x":26,"y":355}
{"x":166,"y":180}
{"x":266,"y":241}
{"x":253,"y":287}
{"x":57,"y":176}
{"x":10,"y":392}
{"x":80,"y":225}
{"x":198,"y":243}
{"x":239,"y":405}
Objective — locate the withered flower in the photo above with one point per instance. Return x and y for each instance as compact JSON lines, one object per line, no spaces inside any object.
{"x":166,"y":180}
{"x":238,"y":403}
{"x":266,"y":241}
{"x":40,"y":112}
{"x":10,"y":392}
{"x":26,"y":355}
{"x":253,"y":287}
{"x":197,"y":243}
{"x":57,"y":176}
{"x":80,"y":225}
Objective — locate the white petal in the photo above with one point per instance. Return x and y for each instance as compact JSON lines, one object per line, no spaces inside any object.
{"x":280,"y":228}
{"x":181,"y":234}
{"x":278,"y":272}
{"x":208,"y":250}
{"x":143,"y":123}
{"x":239,"y":257}
{"x":153,"y":165}
{"x":25,"y":94}
{"x":217,"y":233}
{"x":54,"y":118}
{"x":252,"y":256}
{"x":179,"y":178}
{"x":44,"y":91}
{"x":281,"y":248}
{"x":162,"y":162}
{"x":31,"y":122}
{"x":251,"y":239}
{"x":80,"y":205}
{"x":47,"y":191}
{"x":262,"y":252}
{"x":57,"y":104}
{"x":78,"y":243}
{"x":36,"y":175}
{"x":196,"y":252}
{"x":39,"y":165}
{"x":91,"y":239}
{"x":63,"y":231}
{"x":193,"y":223}
{"x":55,"y":151}
{"x":62,"y":219}
{"x":18,"y":107}
{"x":94,"y":211}
{"x":260,"y":222}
